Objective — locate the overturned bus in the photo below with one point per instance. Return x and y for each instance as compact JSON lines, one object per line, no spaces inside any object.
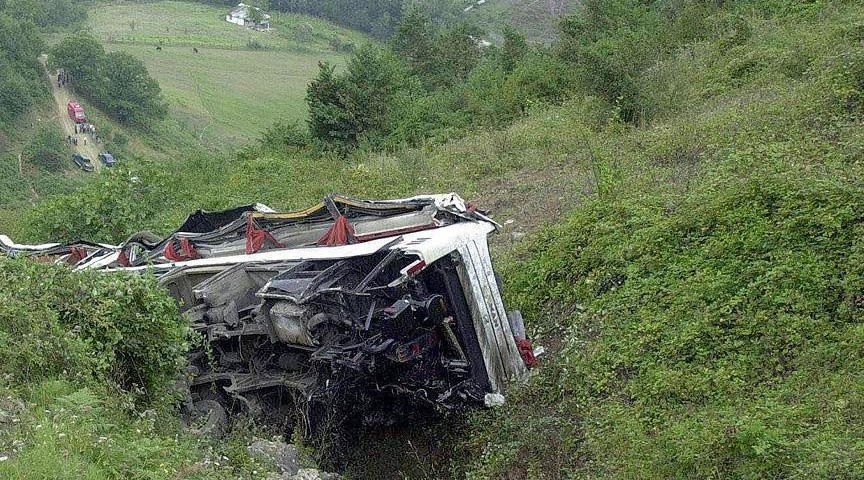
{"x":350,"y":307}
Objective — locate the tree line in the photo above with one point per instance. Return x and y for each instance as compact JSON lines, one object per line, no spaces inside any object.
{"x":431,"y":81}
{"x":434,"y":80}
{"x":20,"y":74}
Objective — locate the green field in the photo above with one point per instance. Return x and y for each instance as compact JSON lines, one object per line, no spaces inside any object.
{"x":241,"y":80}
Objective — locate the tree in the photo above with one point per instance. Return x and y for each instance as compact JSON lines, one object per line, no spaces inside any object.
{"x":24,"y":10}
{"x":20,"y":73}
{"x":117,"y":81}
{"x":359,"y":102}
{"x":514,"y":49}
{"x":79,"y":55}
{"x":58,"y":13}
{"x":456,"y":53}
{"x":331,"y":117}
{"x":374,"y":78}
{"x":610,"y":43}
{"x":129,"y":93}
{"x":414,"y":41}
{"x":15,"y":96}
{"x":21,"y":42}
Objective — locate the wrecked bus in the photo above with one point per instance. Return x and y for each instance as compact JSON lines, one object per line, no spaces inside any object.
{"x":350,"y":307}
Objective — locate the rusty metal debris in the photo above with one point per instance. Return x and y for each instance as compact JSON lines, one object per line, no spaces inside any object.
{"x":372,"y":308}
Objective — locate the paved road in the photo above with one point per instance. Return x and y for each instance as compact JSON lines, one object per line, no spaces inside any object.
{"x":62,"y":96}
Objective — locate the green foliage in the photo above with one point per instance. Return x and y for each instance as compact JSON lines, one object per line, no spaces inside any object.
{"x":65,"y":430}
{"x":432,"y":84}
{"x":20,"y":74}
{"x":331,"y":118}
{"x":514,"y":49}
{"x":359,"y":102}
{"x":70,"y":431}
{"x":59,"y":323}
{"x":80,"y":56}
{"x":55,"y":14}
{"x":15,"y":97}
{"x":438,"y":115}
{"x":414,"y":42}
{"x":117,"y":82}
{"x":374,"y":78}
{"x":705,"y":307}
{"x":88,"y":363}
{"x":46,"y":149}
{"x":611,"y":43}
{"x":128,"y":93}
{"x":108,"y":211}
{"x":286,"y":135}
{"x":707,"y":340}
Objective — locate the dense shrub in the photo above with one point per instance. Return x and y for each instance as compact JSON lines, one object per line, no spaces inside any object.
{"x":20,"y":74}
{"x":109,"y":211}
{"x":705,"y":341}
{"x":88,"y":327}
{"x":46,"y":149}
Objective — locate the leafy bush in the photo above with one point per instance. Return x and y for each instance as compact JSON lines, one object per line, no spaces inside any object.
{"x":46,"y":149}
{"x":59,"y":323}
{"x":708,"y":339}
{"x":284,"y":134}
{"x":108,"y":211}
{"x":20,"y":74}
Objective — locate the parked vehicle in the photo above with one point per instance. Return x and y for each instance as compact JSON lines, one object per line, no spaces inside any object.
{"x":107,"y":159}
{"x":83,"y":162}
{"x":76,"y":112}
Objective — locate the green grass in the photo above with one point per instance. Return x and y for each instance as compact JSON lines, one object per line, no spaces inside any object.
{"x":228,"y":92}
{"x":704,"y":308}
{"x":197,"y":24}
{"x":227,"y":97}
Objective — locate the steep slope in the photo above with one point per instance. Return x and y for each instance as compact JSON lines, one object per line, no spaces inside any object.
{"x":705,"y":308}
{"x":700,"y":293}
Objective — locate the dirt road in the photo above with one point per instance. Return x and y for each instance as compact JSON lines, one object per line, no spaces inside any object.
{"x":61,"y":98}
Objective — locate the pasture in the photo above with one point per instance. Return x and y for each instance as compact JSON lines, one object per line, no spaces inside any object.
{"x":240,"y":80}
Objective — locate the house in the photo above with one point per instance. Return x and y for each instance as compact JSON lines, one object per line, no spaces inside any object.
{"x":243,"y":15}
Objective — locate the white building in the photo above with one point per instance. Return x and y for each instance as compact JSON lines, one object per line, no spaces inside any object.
{"x":240,"y":16}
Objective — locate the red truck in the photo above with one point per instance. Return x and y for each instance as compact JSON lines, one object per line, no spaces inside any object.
{"x":76,"y":112}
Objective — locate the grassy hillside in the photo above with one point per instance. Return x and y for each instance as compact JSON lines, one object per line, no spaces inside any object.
{"x":227,"y":97}
{"x":241,"y":80}
{"x":705,"y":306}
{"x":696,"y":275}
